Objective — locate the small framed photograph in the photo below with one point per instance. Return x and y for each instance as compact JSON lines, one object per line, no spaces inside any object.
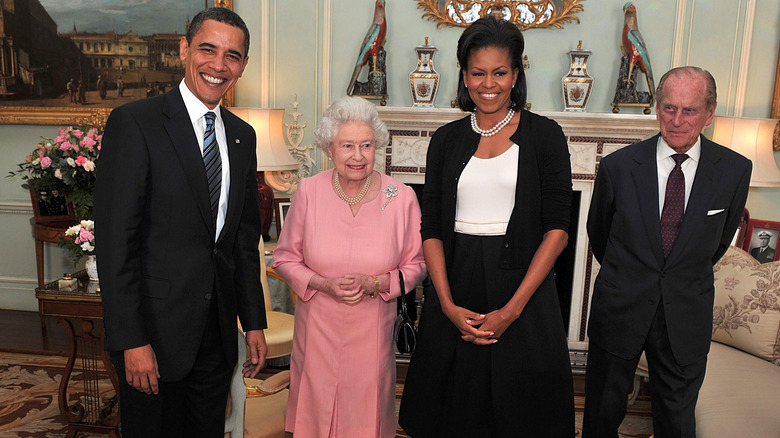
{"x":761,"y":240}
{"x":281,"y":206}
{"x":49,"y":205}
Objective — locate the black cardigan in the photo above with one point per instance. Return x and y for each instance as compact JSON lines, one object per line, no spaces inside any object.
{"x":543,"y":193}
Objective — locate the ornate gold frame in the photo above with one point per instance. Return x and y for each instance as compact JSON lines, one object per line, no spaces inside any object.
{"x":27,"y":115}
{"x":775,"y":114}
{"x":557,"y":19}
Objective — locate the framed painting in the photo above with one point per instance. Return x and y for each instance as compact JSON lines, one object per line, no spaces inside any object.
{"x":761,"y":240}
{"x":73,"y":66}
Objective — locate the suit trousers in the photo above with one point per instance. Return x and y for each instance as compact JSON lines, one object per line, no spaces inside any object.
{"x":192,"y":407}
{"x":674,"y":389}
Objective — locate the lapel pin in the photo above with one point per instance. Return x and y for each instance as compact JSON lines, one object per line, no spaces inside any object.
{"x":238,"y":140}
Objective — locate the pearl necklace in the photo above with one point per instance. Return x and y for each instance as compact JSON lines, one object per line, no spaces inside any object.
{"x":343,"y":196}
{"x":494,"y":130}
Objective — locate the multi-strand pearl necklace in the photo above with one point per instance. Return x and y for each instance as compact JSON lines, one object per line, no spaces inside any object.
{"x":494,"y":130}
{"x":343,"y":196}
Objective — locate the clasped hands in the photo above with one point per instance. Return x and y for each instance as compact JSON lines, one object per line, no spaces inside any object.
{"x":480,"y":329}
{"x":351,"y":288}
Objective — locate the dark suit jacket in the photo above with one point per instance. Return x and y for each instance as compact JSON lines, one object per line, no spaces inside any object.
{"x":625,"y":234}
{"x":159,"y":264}
{"x":766,"y":256}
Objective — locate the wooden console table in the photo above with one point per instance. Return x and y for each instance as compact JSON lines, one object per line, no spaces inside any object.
{"x":45,"y":232}
{"x":81,"y":313}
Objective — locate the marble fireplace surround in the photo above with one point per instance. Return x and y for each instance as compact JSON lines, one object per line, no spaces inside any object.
{"x":590,"y":137}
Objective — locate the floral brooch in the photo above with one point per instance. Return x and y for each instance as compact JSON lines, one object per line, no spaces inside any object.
{"x":391,"y":192}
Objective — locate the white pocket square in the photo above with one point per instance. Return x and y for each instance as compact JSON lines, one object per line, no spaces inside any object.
{"x":714,"y":212}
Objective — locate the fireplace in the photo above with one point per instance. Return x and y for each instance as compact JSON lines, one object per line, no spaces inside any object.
{"x":590,"y":137}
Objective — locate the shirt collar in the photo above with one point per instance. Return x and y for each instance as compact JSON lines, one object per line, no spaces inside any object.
{"x":195,"y":108}
{"x":664,"y":151}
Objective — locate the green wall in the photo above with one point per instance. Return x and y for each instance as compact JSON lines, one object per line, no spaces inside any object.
{"x":312,"y":46}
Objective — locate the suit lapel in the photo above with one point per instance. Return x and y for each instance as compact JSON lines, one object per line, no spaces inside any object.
{"x":237,"y":169}
{"x":700,"y":198}
{"x":182,"y":136}
{"x":645,"y":176}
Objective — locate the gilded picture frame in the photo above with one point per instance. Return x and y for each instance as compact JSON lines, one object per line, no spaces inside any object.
{"x":526,"y":14}
{"x":62,"y":109}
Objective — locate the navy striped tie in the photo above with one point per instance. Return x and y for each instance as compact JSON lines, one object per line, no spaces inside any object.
{"x":674,"y":205}
{"x":213,"y":163}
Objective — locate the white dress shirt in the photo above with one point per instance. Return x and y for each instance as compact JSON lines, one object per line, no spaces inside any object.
{"x":197,"y":110}
{"x":665,"y":164}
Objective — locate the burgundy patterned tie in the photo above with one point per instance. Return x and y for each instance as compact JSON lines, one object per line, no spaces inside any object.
{"x":674,"y":205}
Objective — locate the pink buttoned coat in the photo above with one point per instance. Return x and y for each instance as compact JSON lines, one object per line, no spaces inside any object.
{"x":343,"y":361}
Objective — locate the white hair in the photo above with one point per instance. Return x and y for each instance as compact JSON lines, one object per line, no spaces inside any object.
{"x":350,"y":109}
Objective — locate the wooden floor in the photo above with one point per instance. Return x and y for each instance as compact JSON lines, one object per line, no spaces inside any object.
{"x":21,"y":331}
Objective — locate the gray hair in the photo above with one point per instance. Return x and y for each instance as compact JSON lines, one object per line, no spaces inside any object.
{"x":350,"y":109}
{"x":712,"y":92}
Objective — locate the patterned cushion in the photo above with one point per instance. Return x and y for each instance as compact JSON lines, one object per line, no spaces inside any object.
{"x":747,"y":305}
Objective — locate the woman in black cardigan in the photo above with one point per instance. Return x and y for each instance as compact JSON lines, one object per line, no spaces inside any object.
{"x":492,"y":358}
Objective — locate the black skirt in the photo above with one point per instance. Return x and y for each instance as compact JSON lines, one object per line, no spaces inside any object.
{"x":520,"y":386}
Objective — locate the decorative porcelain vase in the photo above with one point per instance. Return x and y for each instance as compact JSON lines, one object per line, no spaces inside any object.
{"x":577,"y":84}
{"x":91,"y":267}
{"x":424,"y":81}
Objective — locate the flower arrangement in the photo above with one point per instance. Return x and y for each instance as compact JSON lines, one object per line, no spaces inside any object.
{"x":67,"y":164}
{"x":80,"y":240}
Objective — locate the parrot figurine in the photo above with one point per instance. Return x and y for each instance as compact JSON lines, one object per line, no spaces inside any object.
{"x":373,"y":41}
{"x":635,"y":47}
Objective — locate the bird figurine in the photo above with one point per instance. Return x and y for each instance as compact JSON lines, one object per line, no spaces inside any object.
{"x":373,"y":41}
{"x":635,"y":47}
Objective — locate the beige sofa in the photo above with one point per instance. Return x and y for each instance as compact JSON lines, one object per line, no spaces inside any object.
{"x":740,"y":396}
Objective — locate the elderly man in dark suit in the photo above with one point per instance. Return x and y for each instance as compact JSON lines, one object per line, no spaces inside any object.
{"x":178,"y":229}
{"x":763,"y":253}
{"x":663,"y":212}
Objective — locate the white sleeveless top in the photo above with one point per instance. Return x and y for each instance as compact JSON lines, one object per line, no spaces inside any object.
{"x":486,"y":194}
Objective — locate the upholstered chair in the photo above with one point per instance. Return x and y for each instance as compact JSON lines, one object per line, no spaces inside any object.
{"x":260,"y":405}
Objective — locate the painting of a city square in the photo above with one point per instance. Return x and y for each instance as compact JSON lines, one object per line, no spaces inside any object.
{"x":90,"y":53}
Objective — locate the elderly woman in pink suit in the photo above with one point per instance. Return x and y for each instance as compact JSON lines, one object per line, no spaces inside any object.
{"x":347,"y":234}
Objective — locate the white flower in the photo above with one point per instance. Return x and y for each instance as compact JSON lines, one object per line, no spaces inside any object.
{"x":87,"y":247}
{"x":73,"y":231}
{"x":58,"y":174}
{"x":71,"y":162}
{"x":89,"y":165}
{"x":88,"y":224}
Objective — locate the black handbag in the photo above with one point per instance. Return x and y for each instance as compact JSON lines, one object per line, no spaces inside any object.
{"x":405,"y":332}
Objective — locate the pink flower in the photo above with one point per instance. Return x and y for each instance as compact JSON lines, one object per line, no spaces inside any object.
{"x":63,"y":131}
{"x":78,"y":133}
{"x":61,"y":138}
{"x":89,"y":166}
{"x":65,"y":146}
{"x":84,"y":236}
{"x":45,"y":162}
{"x":81,"y":160}
{"x":58,"y":174}
{"x":28,"y":158}
{"x":89,"y":143}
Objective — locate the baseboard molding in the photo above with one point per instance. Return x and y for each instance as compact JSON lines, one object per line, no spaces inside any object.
{"x":18,"y":293}
{"x":15,"y":207}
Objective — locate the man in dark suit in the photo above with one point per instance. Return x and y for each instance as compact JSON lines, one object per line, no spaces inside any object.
{"x":663,"y":212}
{"x":179,"y":224}
{"x":763,"y":253}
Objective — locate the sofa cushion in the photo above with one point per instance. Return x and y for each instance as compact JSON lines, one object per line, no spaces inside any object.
{"x":739,"y":397}
{"x":746,"y":313}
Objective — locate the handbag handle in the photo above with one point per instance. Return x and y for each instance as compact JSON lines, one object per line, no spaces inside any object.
{"x":402,"y":298}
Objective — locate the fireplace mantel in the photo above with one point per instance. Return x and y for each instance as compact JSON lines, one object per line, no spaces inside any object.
{"x":591,"y":136}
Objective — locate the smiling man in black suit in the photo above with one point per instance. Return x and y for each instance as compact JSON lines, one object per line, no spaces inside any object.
{"x":178,"y":228}
{"x":663,"y":212}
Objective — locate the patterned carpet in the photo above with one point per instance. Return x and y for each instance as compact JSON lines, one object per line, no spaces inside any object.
{"x":28,"y":395}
